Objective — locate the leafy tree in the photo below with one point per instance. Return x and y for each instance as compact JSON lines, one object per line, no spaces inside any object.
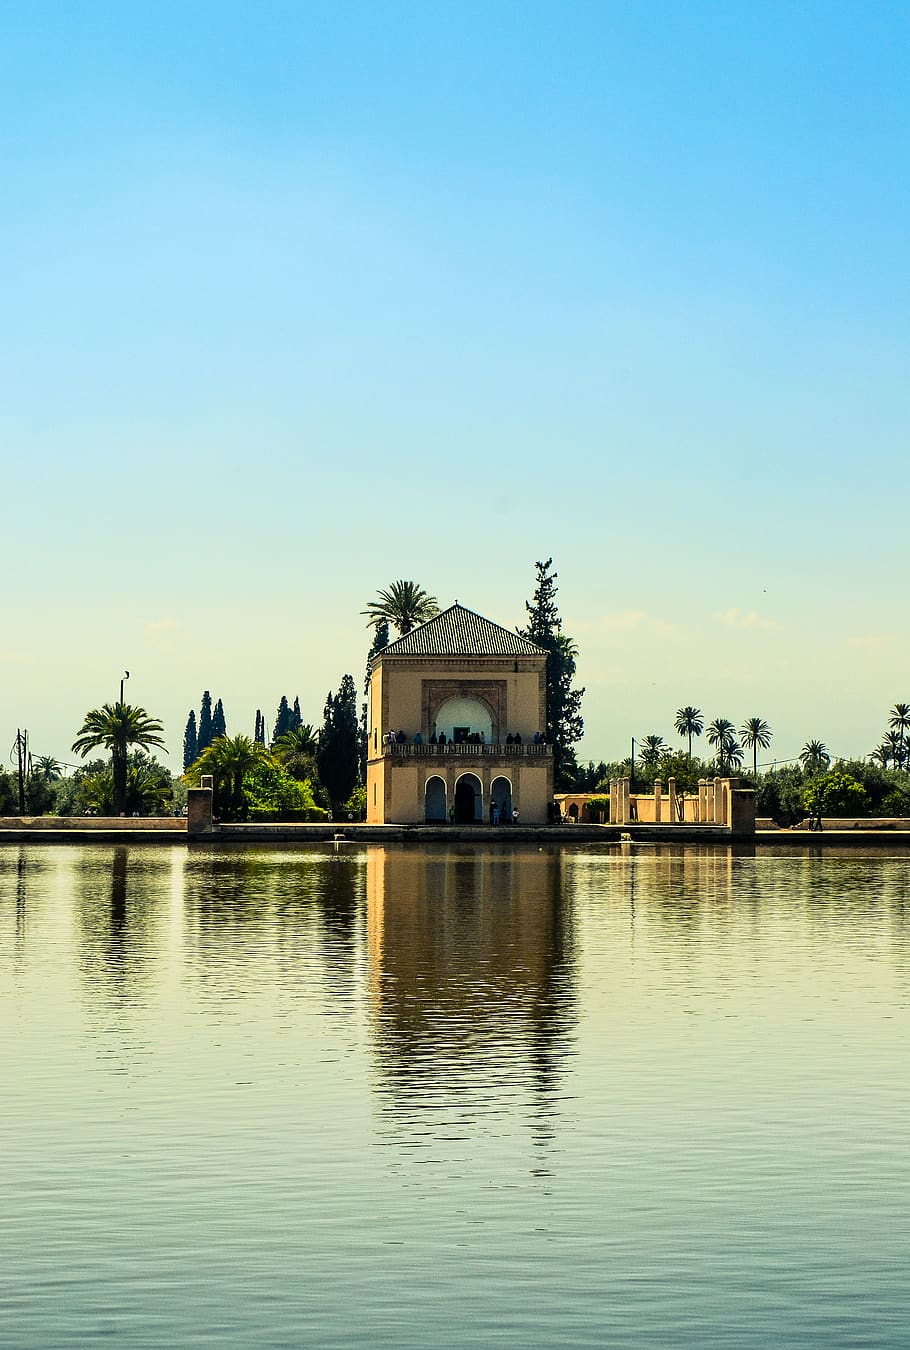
{"x":356,"y":805}
{"x":835,"y":794}
{"x":219,"y":725}
{"x":380,"y":640}
{"x":565,"y":723}
{"x":296,"y":752}
{"x":405,"y":604}
{"x":899,"y":721}
{"x":590,"y":776}
{"x":268,"y":788}
{"x":282,"y":720}
{"x":228,"y":759}
{"x":39,"y":794}
{"x":338,"y":756}
{"x":814,"y":757}
{"x":9,"y":794}
{"x":190,"y":744}
{"x":117,"y":726}
{"x":755,"y":733}
{"x":204,"y":733}
{"x":689,"y":722}
{"x":722,"y":735}
{"x":779,"y":794}
{"x":650,"y":750}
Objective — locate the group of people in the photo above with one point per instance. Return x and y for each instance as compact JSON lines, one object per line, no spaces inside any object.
{"x":500,"y":814}
{"x":469,"y":738}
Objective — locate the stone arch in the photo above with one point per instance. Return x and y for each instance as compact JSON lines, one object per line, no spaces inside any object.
{"x":465,"y":710}
{"x":436,"y":807}
{"x":501,"y":794}
{"x":468,"y":799}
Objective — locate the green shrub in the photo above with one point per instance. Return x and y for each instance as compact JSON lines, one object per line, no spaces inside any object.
{"x":597,"y":808}
{"x":835,"y":793}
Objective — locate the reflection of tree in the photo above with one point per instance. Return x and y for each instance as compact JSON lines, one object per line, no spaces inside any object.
{"x":120,"y":898}
{"x":471,"y":976}
{"x":278,"y":918}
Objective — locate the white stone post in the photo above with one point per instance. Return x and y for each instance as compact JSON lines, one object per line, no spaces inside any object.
{"x":671,"y":800}
{"x":702,"y":800}
{"x":658,"y":803}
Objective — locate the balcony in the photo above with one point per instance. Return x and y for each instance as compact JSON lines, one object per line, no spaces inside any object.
{"x":467,"y":751}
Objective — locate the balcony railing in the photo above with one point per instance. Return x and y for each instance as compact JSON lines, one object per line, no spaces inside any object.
{"x":468,"y":751}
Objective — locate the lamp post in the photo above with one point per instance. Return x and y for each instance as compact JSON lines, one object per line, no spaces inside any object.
{"x":632,"y":766}
{"x":126,"y":676}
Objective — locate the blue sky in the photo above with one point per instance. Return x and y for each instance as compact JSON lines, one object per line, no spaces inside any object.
{"x":303,"y":298}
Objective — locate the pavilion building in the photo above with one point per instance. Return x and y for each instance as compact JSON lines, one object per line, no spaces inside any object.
{"x":456,"y":717}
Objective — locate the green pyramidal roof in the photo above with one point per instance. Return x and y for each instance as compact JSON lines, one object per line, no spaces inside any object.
{"x":457,"y":631}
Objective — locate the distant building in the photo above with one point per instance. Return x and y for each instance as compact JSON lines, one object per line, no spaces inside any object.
{"x":481,"y":687}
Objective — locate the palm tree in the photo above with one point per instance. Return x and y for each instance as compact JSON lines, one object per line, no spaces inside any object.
{"x":117,"y":726}
{"x":48,"y":768}
{"x":228,"y":759}
{"x":652,"y":747}
{"x":899,"y":721}
{"x":296,"y":750}
{"x":814,"y":757}
{"x":896,"y":747}
{"x":755,"y":733}
{"x":405,"y":604}
{"x":721,"y":734}
{"x":689,"y":722}
{"x":882,"y":754}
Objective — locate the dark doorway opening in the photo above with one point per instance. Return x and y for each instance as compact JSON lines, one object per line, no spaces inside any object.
{"x":467,"y":801}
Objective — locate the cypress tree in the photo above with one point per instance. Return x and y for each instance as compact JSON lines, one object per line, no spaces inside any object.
{"x":283,"y":720}
{"x":338,"y":755}
{"x":380,"y":640}
{"x":565,"y":723}
{"x":189,"y":741}
{"x":259,"y":734}
{"x":204,"y":735}
{"x":296,"y":719}
{"x":219,"y":725}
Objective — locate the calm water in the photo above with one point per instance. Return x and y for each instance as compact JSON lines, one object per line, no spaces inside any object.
{"x":452,"y":1097}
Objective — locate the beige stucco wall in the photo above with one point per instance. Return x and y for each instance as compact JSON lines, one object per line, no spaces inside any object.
{"x":399,"y":694}
{"x":396,"y":786}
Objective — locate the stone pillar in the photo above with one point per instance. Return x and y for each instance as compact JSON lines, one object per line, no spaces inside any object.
{"x":614,"y":812}
{"x":742,"y":813}
{"x":658,"y":803}
{"x":718,"y":801}
{"x":671,"y":800}
{"x":702,"y":801}
{"x":199,"y":808}
{"x":624,"y":801}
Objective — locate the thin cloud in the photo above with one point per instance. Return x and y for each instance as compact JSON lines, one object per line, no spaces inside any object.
{"x":740,"y":618}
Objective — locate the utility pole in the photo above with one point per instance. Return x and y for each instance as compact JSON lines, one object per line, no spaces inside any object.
{"x":632,"y":766}
{"x":21,"y":738}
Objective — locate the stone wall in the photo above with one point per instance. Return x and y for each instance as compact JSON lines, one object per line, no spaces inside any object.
{"x":101,"y":823}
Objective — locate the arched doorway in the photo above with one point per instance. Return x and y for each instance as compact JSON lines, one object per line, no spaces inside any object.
{"x":501,"y":794}
{"x":436,"y":800}
{"x":468,"y":800}
{"x":459,"y":718}
{"x":573,"y":812}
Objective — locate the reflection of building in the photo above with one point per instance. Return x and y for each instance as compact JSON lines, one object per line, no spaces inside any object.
{"x":457,"y":709}
{"x":470,"y":966}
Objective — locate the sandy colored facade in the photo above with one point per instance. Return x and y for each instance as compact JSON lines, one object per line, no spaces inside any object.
{"x":482,"y":688}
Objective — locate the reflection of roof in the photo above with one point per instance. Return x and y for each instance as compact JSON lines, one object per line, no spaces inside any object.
{"x":460,"y":632}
